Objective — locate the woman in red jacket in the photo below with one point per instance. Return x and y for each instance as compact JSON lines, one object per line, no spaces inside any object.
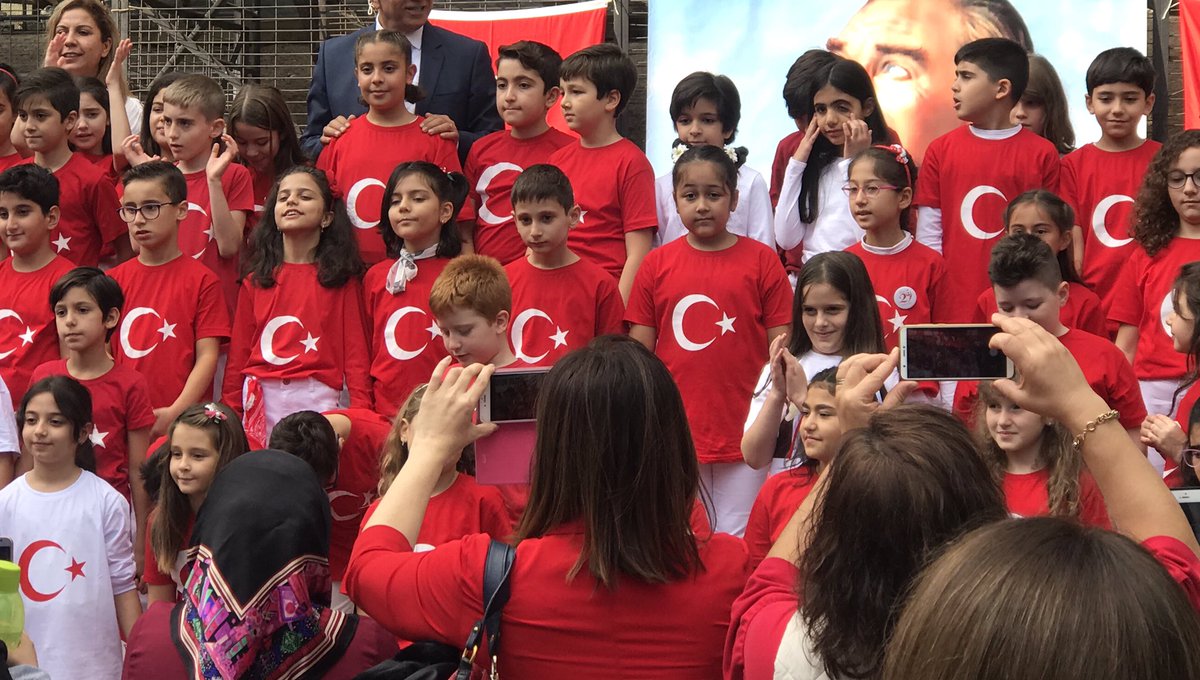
{"x":609,"y":580}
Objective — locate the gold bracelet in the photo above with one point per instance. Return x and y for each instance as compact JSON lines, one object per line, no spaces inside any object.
{"x":1077,"y":442}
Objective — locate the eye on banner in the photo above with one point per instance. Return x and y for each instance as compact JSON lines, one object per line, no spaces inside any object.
{"x":566,"y":28}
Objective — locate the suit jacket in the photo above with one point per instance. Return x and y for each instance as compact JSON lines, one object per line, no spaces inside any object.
{"x":456,"y":76}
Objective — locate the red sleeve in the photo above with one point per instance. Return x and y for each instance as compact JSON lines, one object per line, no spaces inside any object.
{"x":610,"y":310}
{"x":929,"y":186}
{"x":212,"y":314}
{"x":356,"y":360}
{"x":1090,"y":317}
{"x":433,"y":595}
{"x":760,"y":616}
{"x":1124,"y":392}
{"x":327,"y":163}
{"x":150,"y":573}
{"x":1126,"y":306}
{"x":1180,"y":562}
{"x":758,"y":532}
{"x":640,"y":310}
{"x":108,"y":222}
{"x":637,"y":194}
{"x":966,"y":394}
{"x":493,"y":514}
{"x":139,"y":414}
{"x":244,"y":328}
{"x":238,"y":186}
{"x":1067,"y":185}
{"x":1092,"y":510}
{"x":1050,"y":172}
{"x":938,"y":310}
{"x":776,"y":292}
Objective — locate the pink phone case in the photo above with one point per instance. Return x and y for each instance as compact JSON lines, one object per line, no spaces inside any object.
{"x":505,"y":456}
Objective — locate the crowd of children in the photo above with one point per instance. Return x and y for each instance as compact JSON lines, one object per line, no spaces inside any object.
{"x":182,"y":285}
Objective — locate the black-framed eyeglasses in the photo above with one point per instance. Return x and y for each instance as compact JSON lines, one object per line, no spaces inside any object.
{"x":1191,"y":458}
{"x":1176,"y":179}
{"x":150,"y":211}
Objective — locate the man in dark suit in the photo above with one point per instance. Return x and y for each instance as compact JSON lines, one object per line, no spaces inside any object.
{"x":454,"y":71}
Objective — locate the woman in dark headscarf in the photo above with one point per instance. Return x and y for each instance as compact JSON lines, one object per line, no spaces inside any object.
{"x":256,"y":594}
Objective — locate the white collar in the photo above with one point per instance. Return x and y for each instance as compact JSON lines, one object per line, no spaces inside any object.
{"x":995,"y":134}
{"x":414,"y":38}
{"x":890,"y":250}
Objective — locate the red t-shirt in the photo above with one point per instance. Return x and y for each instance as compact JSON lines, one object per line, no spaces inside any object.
{"x":151,"y":574}
{"x":1143,"y":299}
{"x":261,"y":184}
{"x":1027,"y":495}
{"x":299,"y":329}
{"x":404,"y":340}
{"x":463,"y":509}
{"x":88,"y":218}
{"x":1100,"y":186}
{"x":357,"y":482}
{"x":196,"y":231}
{"x":28,"y":335}
{"x":10,"y":160}
{"x":492,"y":166}
{"x":184,"y":303}
{"x":908,"y":286}
{"x":361,"y":160}
{"x":783,"y":153}
{"x":971,"y":180}
{"x":777,"y":501}
{"x":614,"y":187}
{"x":120,"y":405}
{"x":711,"y":312}
{"x":555,"y":311}
{"x":1083,"y":309}
{"x":103,"y":163}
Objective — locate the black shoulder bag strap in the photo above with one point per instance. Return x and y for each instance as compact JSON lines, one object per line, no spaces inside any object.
{"x":498,"y":567}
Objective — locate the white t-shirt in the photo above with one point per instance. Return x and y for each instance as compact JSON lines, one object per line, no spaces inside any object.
{"x":752,"y":218}
{"x":133,"y":109}
{"x":10,"y":442}
{"x":834,"y":228}
{"x":74,"y":549}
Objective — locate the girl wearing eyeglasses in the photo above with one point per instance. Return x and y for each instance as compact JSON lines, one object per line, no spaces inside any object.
{"x":1167,"y":229}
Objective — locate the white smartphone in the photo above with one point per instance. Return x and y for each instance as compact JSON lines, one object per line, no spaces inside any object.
{"x":951,"y":352}
{"x":511,"y":395}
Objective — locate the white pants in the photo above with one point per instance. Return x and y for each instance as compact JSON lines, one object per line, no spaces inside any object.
{"x":283,"y":397}
{"x":728,"y":491}
{"x":1157,"y":396}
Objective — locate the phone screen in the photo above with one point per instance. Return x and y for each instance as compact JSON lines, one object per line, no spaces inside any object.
{"x":952,"y":353}
{"x":514,"y":396}
{"x":6,"y":550}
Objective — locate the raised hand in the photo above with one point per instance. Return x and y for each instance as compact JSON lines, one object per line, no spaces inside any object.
{"x":54,"y":49}
{"x":1164,"y":434}
{"x":218,"y":161}
{"x":806,"y":143}
{"x":116,"y":70}
{"x":134,"y":153}
{"x":334,"y":128}
{"x":857,"y":136}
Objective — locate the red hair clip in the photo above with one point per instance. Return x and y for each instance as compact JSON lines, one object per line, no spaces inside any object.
{"x":213,"y":413}
{"x":901,"y":157}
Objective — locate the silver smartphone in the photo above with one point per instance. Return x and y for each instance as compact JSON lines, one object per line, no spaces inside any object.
{"x":951,"y":352}
{"x":511,"y":395}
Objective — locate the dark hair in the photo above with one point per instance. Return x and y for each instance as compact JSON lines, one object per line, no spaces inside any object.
{"x":1187,"y":289}
{"x":1121,"y":65}
{"x":1060,"y":213}
{"x":1021,"y":257}
{"x":74,"y":402}
{"x":1044,"y":598}
{"x":613,"y":448}
{"x":726,"y":168}
{"x":543,"y":182}
{"x":100,"y":286}
{"x":53,"y":83}
{"x":534,"y":56}
{"x":337,"y":250}
{"x":412,"y":93}
{"x":8,"y":84}
{"x":151,"y":469}
{"x":1187,"y":472}
{"x":1155,"y":220}
{"x":849,"y":77}
{"x":848,"y":275}
{"x":801,"y":82}
{"x":903,"y":486}
{"x":309,"y":436}
{"x":1045,"y":90}
{"x":263,"y":106}
{"x":889,"y":167}
{"x":146,"y":136}
{"x":169,"y":177}
{"x":449,"y":187}
{"x":96,"y":89}
{"x":718,"y":89}
{"x":32,"y":183}
{"x":607,"y":67}
{"x":1000,"y":59}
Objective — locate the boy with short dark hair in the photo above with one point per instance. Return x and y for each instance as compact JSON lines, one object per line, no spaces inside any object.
{"x":526,"y":90}
{"x":559,"y":300}
{"x":969,"y":174}
{"x":472,"y":304}
{"x":1028,"y":282}
{"x":1100,"y":180}
{"x":48,"y":106}
{"x":613,"y":180}
{"x":29,"y":213}
{"x":178,"y":317}
{"x":220,"y":192}
{"x":87,"y":307}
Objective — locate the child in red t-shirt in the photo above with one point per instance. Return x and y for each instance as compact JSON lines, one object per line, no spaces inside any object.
{"x":613,"y":180}
{"x":908,"y":277}
{"x":87,"y":308}
{"x":420,"y":237}
{"x":526,"y":89}
{"x":261,"y":125}
{"x":812,"y":442}
{"x":739,"y":301}
{"x":359,"y":160}
{"x":201,"y":441}
{"x":299,"y":333}
{"x":1033,"y":460}
{"x":560,"y":301}
{"x":92,"y":136}
{"x":1048,"y":217}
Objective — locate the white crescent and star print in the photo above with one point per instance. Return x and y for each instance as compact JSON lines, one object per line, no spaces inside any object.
{"x":559,"y":337}
{"x":26,"y":337}
{"x":266,"y":343}
{"x":680,"y":312}
{"x":389,"y":334}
